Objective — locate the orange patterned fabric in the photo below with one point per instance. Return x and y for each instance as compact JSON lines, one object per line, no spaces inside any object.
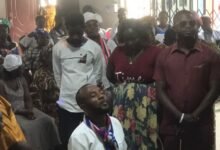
{"x":10,"y":132}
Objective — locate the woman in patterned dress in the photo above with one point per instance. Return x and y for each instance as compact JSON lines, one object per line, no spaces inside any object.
{"x":130,"y":69}
{"x":45,"y":85}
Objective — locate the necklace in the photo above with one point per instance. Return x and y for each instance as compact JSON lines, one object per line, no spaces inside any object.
{"x":130,"y":61}
{"x":133,"y":58}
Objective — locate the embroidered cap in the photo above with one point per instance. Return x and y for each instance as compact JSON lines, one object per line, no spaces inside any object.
{"x":92,"y":16}
{"x":12,"y":62}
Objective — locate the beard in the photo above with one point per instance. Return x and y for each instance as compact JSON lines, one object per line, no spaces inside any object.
{"x":103,"y":108}
{"x":188,"y":36}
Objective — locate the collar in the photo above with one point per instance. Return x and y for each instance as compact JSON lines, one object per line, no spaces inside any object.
{"x":197,"y":47}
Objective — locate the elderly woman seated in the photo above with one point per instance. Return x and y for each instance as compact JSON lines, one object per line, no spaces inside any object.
{"x":39,"y":129}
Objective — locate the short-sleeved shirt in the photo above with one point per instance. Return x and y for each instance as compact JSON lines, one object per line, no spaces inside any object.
{"x":187,"y":78}
{"x":139,"y":71}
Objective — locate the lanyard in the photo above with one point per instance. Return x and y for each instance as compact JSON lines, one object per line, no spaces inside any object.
{"x":106,"y":135}
{"x":106,"y":52}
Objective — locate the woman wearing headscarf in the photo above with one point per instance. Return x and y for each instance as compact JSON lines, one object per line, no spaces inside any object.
{"x":130,"y":69}
{"x":6,"y":44}
{"x":39,"y":129}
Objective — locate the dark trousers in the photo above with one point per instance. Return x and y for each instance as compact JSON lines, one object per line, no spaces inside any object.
{"x":67,"y":123}
{"x":200,"y":138}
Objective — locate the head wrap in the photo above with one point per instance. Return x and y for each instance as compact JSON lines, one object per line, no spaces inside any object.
{"x":4,"y":22}
{"x":92,"y":16}
{"x":12,"y":62}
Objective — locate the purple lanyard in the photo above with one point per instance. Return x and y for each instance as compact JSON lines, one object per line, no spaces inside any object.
{"x":106,"y":135}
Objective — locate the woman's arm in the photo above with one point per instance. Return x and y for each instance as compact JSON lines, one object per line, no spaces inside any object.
{"x":28,"y":104}
{"x":110,"y":72}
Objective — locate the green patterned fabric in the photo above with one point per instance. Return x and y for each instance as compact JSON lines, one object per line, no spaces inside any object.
{"x":136,"y":108}
{"x":4,"y":21}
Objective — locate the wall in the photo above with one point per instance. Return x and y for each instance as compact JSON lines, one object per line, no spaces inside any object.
{"x":66,"y":7}
{"x":22,"y":15}
{"x":2,"y":9}
{"x":105,"y":8}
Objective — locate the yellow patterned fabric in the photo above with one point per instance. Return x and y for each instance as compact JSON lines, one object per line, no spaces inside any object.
{"x":49,"y":13}
{"x":10,"y":132}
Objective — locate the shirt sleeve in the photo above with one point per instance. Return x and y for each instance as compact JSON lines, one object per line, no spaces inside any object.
{"x":98,"y":65}
{"x":105,"y":81}
{"x":57,"y":66}
{"x":159,"y":69}
{"x":215,"y":67}
{"x":26,"y":41}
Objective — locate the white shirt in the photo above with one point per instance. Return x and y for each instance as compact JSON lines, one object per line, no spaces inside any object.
{"x":159,"y":37}
{"x":84,"y":138}
{"x":73,"y":68}
{"x":111,"y":45}
{"x":212,"y":39}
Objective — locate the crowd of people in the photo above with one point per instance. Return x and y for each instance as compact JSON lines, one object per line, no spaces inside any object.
{"x":141,"y":85}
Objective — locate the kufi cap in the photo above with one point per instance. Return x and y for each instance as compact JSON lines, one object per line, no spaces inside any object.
{"x":12,"y":62}
{"x":92,"y":16}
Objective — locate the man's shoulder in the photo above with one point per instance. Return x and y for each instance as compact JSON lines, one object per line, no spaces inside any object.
{"x":91,"y":44}
{"x":165,"y":52}
{"x":60,"y":44}
{"x":81,"y":129}
{"x":210,"y":48}
{"x":115,"y":121}
{"x":92,"y":47}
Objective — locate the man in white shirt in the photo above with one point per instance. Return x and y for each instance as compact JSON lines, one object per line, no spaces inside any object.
{"x":98,"y":131}
{"x":92,"y":21}
{"x":76,"y":61}
{"x":207,"y":33}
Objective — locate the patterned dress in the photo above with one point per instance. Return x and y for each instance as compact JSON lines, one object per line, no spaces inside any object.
{"x":134,"y":104}
{"x":45,"y":86}
{"x":136,"y":108}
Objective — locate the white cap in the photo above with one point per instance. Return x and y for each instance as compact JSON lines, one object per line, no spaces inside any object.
{"x":12,"y":62}
{"x":92,"y":16}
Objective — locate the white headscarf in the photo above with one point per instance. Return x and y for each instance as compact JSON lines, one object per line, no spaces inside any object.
{"x":12,"y":62}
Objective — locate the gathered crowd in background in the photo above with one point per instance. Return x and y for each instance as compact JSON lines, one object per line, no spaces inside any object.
{"x":143,"y":84}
